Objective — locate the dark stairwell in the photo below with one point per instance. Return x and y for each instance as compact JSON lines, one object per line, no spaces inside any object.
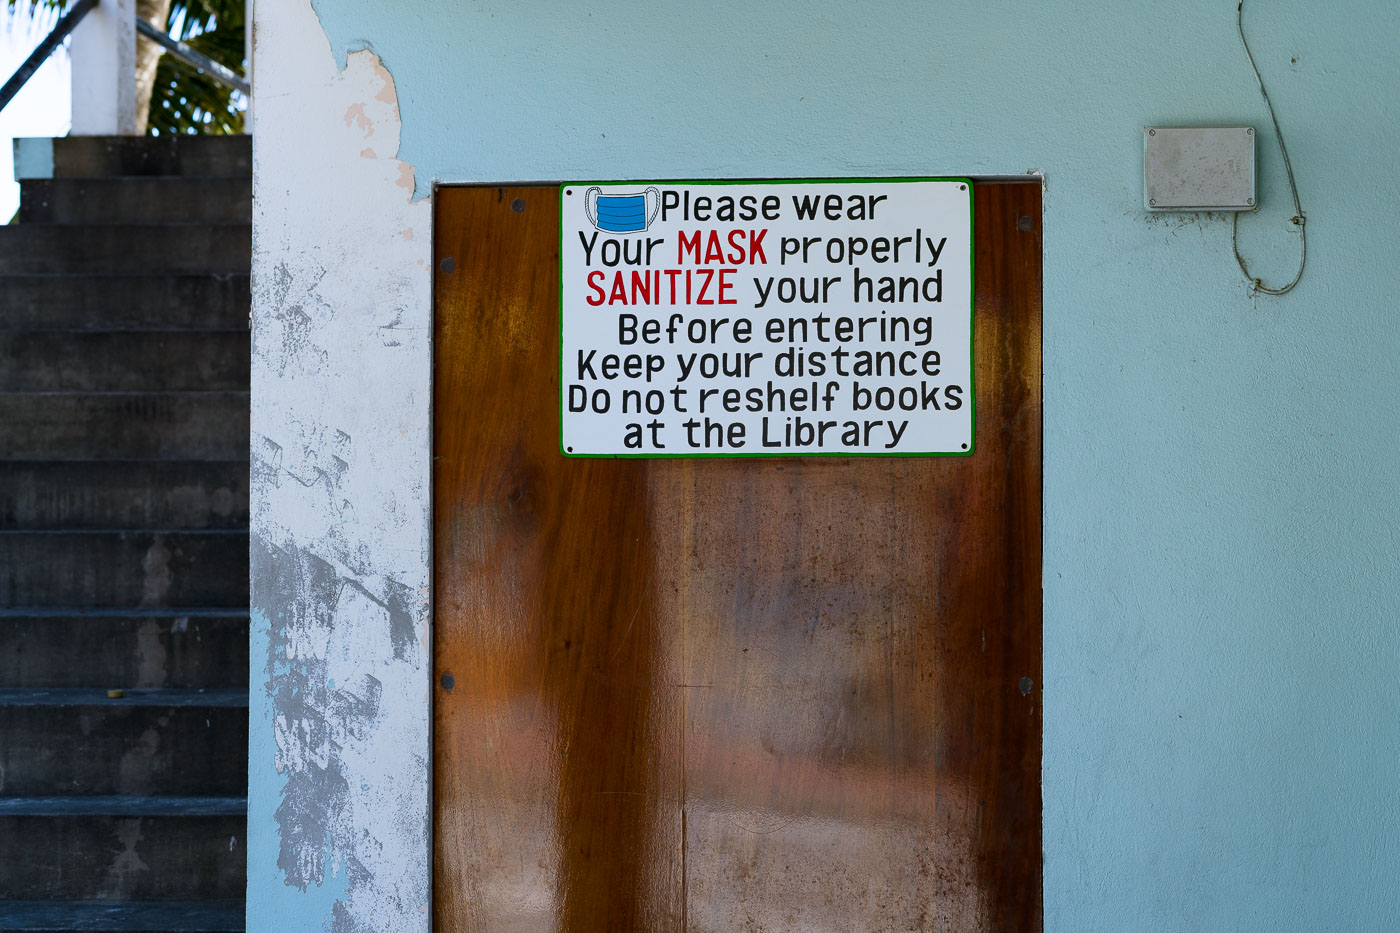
{"x":124,"y":301}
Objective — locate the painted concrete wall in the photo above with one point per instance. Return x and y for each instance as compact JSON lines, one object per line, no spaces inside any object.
{"x":338,"y":767}
{"x":1222,"y":719}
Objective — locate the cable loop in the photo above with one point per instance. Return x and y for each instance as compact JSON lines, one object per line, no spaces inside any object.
{"x":1299,"y":218}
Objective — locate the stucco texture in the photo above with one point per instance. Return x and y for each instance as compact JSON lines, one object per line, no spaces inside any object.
{"x":1222,"y":723}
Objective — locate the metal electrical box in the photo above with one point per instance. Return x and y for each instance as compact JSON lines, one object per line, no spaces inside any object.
{"x":1198,"y":168}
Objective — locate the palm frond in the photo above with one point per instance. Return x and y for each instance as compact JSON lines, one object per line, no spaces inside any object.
{"x":30,"y":6}
{"x":41,"y":13}
{"x":192,"y":17}
{"x":186,"y":101}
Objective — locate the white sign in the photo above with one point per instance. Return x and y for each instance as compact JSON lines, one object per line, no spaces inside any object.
{"x":761,"y":319}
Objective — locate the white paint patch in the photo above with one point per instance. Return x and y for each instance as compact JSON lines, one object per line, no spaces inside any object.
{"x":341,"y":442}
{"x":150,"y":655}
{"x":138,"y":761}
{"x":126,"y":869}
{"x":155,"y":568}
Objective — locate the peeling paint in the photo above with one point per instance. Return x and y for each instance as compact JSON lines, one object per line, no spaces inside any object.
{"x":356,"y":115}
{"x":338,"y":792}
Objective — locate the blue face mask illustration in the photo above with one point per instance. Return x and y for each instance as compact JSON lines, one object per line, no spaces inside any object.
{"x":621,"y":213}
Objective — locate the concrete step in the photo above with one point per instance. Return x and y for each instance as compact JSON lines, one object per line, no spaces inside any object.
{"x":150,"y":742}
{"x":184,"y":495}
{"x":122,"y":848}
{"x":124,"y":569}
{"x":125,"y":248}
{"x":101,"y":156}
{"x":123,"y":361}
{"x":132,"y":200}
{"x":138,"y":648}
{"x":123,"y":425}
{"x":124,"y":302}
{"x":118,"y":917}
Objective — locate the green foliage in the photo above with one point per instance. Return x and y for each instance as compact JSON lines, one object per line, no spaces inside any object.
{"x":32,"y":5}
{"x":43,"y":13}
{"x":183,"y":99}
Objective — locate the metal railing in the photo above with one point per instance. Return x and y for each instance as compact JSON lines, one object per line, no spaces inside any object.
{"x":189,"y":56}
{"x":67,"y":24}
{"x":74,"y":16}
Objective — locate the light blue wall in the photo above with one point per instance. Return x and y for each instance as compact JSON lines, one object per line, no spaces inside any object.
{"x":1222,"y":659}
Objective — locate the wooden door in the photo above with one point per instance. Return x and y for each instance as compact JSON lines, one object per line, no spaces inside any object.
{"x":727,"y":695}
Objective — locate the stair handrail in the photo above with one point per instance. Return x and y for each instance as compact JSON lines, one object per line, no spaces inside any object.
{"x":70,"y":20}
{"x":61,"y":29}
{"x":194,"y":59}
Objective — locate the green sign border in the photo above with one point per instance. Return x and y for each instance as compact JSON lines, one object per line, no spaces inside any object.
{"x":971,"y":318}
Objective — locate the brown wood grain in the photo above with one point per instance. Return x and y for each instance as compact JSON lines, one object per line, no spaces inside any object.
{"x":727,"y":695}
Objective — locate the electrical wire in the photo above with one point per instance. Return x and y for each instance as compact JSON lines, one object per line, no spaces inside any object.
{"x":1299,"y":218}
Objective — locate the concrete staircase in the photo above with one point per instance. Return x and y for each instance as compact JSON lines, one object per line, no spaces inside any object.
{"x":124,"y":538}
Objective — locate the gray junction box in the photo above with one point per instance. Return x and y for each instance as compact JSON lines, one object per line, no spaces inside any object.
{"x":1198,"y":168}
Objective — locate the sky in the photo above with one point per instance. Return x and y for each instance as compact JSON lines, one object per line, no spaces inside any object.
{"x":41,"y":109}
